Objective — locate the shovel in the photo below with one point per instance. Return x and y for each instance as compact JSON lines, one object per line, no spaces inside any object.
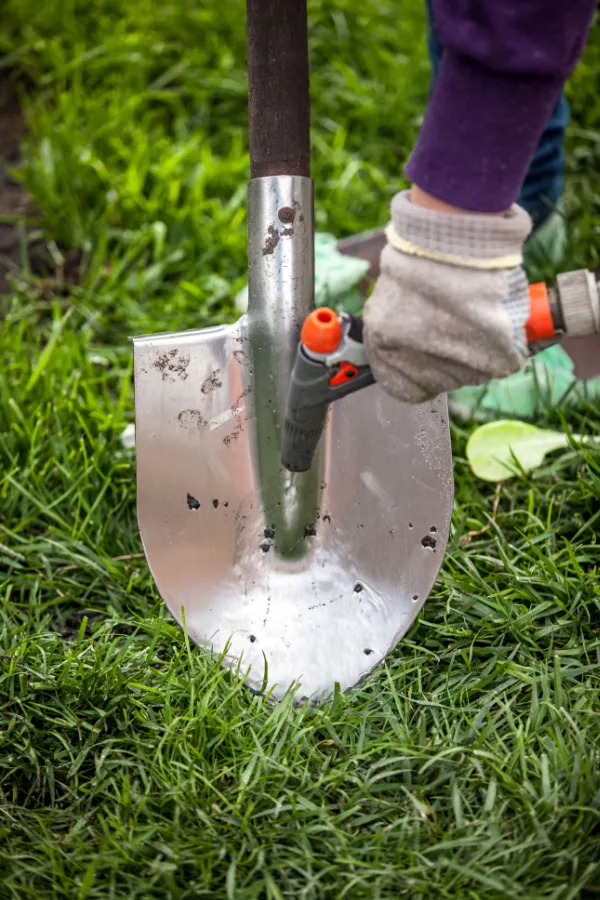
{"x":308,"y":580}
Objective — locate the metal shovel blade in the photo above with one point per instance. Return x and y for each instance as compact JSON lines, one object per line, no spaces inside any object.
{"x":300,"y":580}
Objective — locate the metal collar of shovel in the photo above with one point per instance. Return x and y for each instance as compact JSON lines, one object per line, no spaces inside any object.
{"x":295,"y":580}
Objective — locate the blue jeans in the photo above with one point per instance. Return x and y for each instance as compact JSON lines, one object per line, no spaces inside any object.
{"x":544,"y":180}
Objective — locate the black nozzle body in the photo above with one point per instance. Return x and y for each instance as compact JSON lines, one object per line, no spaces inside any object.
{"x":306,"y":413}
{"x":309,"y":396}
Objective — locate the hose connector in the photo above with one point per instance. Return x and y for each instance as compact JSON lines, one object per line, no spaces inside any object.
{"x":579,"y":303}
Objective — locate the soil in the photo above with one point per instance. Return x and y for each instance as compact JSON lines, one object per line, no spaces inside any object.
{"x":14,"y":200}
{"x":16,"y":204}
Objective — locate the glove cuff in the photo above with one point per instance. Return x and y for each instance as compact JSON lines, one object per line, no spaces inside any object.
{"x":470,"y":240}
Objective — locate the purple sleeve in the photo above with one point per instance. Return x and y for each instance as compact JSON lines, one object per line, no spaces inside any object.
{"x":503,"y":66}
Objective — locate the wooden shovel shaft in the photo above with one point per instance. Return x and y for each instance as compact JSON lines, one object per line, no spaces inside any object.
{"x":278,"y":98}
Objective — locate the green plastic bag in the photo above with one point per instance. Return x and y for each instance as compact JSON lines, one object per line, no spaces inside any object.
{"x":548,"y":380}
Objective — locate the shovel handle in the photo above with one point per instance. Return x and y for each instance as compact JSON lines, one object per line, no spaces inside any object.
{"x":278,"y":87}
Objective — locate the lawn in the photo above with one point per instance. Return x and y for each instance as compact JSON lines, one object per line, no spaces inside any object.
{"x":468,"y":766}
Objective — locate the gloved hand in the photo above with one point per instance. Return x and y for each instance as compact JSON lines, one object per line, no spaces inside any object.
{"x":451,"y":303}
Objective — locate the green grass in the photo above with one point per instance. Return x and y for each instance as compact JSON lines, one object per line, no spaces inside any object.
{"x":130,"y":766}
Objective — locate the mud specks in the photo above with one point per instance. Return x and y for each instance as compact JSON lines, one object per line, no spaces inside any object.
{"x":216,"y":504}
{"x":226,"y":504}
{"x":415,"y":598}
{"x":191,"y":418}
{"x":429,"y":542}
{"x":323,"y":605}
{"x":433,"y":529}
{"x":287,"y":232}
{"x":267,"y":611}
{"x":358,"y":588}
{"x":230,"y":439}
{"x":236,"y":408}
{"x":286,"y":214}
{"x":192,"y":502}
{"x":240,"y":357}
{"x":410,"y":525}
{"x":252,"y":638}
{"x":171,"y":365}
{"x":271,"y":241}
{"x":309,"y":531}
{"x":269,"y":535}
{"x":327,"y":518}
{"x":212,"y":383}
{"x":368,"y":651}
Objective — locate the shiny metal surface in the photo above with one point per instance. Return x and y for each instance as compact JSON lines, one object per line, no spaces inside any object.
{"x":308,"y":581}
{"x":387,"y":483}
{"x":281,"y":282}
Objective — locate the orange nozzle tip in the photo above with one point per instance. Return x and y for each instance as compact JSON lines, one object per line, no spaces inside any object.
{"x":322,"y":331}
{"x":539,"y":325}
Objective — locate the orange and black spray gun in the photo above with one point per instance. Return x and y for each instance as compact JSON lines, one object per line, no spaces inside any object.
{"x":331,"y":360}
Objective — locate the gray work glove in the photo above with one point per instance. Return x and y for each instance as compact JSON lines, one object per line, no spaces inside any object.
{"x":451,"y":303}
